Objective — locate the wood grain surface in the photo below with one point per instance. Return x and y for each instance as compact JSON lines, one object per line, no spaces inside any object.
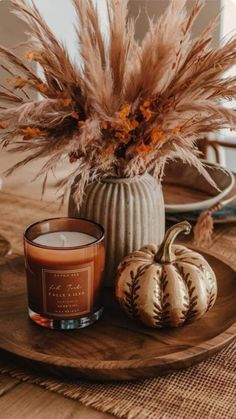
{"x":21,"y":400}
{"x":5,"y":246}
{"x":115,"y":347}
{"x":179,"y":194}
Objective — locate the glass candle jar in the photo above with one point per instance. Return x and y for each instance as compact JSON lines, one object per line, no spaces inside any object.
{"x":64,"y":260}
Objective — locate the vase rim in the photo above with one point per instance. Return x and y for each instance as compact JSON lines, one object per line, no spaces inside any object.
{"x":124,"y":179}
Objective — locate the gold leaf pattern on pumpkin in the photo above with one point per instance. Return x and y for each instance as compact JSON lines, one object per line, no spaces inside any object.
{"x":131,"y":295}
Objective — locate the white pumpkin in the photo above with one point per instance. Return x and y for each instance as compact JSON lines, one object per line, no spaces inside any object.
{"x":167,"y":285}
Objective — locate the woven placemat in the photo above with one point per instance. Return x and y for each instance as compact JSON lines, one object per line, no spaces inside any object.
{"x":207,"y":390}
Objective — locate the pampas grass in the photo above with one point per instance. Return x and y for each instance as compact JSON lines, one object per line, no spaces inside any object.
{"x":125,"y":107}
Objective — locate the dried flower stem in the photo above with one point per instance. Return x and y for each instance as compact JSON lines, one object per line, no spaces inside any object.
{"x":129,"y":106}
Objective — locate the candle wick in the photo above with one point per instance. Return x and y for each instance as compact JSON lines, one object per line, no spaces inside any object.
{"x":63,"y":239}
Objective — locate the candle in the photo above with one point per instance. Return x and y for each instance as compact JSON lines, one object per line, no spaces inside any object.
{"x":64,"y":266}
{"x":64,"y":239}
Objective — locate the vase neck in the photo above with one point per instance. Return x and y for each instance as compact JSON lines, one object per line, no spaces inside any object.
{"x":125,"y":179}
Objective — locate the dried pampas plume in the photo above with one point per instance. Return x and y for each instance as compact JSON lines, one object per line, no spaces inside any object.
{"x":126,"y":106}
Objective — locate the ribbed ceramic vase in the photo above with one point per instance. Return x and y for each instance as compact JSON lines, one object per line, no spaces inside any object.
{"x":130,"y":209}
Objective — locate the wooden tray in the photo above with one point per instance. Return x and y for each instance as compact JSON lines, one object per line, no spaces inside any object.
{"x":185,"y":189}
{"x":181,"y":194}
{"x":115,"y":348}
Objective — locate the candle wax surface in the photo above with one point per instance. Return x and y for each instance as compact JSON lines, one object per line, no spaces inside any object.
{"x":64,"y":239}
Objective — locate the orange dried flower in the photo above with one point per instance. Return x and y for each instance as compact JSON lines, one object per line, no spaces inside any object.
{"x":123,"y":137}
{"x":176,"y":130}
{"x":3,"y":126}
{"x":123,"y":129}
{"x":129,"y":125}
{"x":32,"y":56}
{"x":19,"y":82}
{"x":104,"y":125}
{"x":42,"y":87}
{"x":147,"y":113}
{"x":145,"y":109}
{"x":74,"y":115}
{"x":115,"y":125}
{"x":144,"y":148}
{"x":134,"y":124}
{"x":157,"y":136}
{"x":146,"y":103}
{"x":125,"y":111}
{"x":30,"y":132}
{"x":67,"y":102}
{"x":110,"y":148}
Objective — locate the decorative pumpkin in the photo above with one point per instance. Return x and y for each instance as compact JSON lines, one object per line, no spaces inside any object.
{"x":167,"y":285}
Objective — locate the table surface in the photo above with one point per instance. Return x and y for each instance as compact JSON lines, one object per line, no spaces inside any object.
{"x":21,"y":400}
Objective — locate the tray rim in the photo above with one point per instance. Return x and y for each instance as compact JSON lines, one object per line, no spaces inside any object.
{"x":217,"y":221}
{"x":229,"y":335}
{"x":210,"y":346}
{"x":206,"y":203}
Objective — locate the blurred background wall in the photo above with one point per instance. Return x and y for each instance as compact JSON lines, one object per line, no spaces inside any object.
{"x":156,"y":7}
{"x":60,"y":16}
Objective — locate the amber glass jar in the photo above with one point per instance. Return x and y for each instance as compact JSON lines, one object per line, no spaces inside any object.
{"x":64,"y":265}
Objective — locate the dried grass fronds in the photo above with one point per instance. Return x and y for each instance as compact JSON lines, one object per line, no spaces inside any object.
{"x":126,"y":107}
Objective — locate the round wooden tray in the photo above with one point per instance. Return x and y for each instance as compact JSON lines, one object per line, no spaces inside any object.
{"x":181,"y":194}
{"x":189,"y":190}
{"x":115,"y":348}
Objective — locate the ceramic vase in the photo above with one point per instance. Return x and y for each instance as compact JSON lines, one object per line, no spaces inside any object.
{"x":131,"y":210}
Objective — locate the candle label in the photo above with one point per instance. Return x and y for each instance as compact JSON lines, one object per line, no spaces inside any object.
{"x":68,"y":293}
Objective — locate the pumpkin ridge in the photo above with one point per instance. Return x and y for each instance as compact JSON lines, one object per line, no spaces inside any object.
{"x":161,"y":312}
{"x":182,"y":254}
{"x":157,"y":309}
{"x":122,"y":266}
{"x":211,"y":296}
{"x":148,"y":251}
{"x":132,"y":294}
{"x":201,"y":268}
{"x":191,"y":311}
{"x":189,"y":263}
{"x":211,"y":299}
{"x":179,"y":252}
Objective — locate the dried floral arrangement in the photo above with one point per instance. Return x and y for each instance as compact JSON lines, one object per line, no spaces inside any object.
{"x":126,"y":106}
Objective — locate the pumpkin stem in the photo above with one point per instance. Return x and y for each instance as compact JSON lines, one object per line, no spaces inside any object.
{"x":164,"y":254}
